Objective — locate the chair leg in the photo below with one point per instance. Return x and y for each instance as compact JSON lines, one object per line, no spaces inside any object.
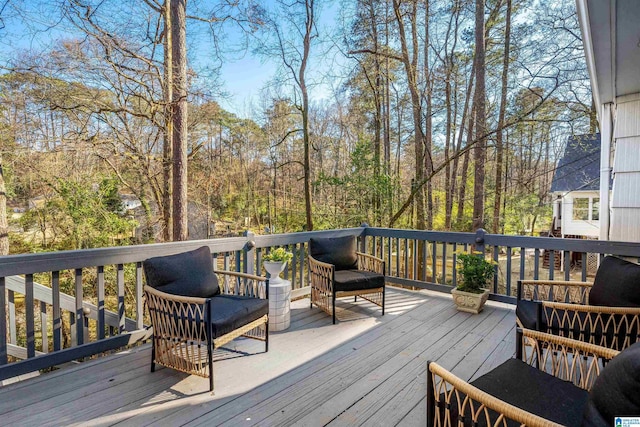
{"x":153,"y":355}
{"x":210,"y":348}
{"x":431,"y":398}
{"x":355,"y":298}
{"x":333,"y":303}
{"x":266,"y":336}
{"x":383,"y":295}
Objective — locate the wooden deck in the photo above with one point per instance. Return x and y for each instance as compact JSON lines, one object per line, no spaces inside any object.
{"x":365,"y":370}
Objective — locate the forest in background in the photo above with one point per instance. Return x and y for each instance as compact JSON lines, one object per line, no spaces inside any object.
{"x":443,"y":115}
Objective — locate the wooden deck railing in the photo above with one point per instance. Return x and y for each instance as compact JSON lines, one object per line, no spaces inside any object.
{"x":62,"y":306}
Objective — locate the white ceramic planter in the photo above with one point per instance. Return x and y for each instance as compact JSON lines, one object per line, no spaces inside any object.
{"x":274,"y":268}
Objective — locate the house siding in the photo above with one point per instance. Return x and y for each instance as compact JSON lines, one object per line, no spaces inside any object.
{"x":625,"y":204}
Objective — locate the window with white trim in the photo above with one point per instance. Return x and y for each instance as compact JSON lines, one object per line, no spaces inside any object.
{"x":586,"y":209}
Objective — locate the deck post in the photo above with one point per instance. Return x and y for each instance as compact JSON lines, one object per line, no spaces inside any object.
{"x":248,"y":253}
{"x":3,"y":324}
{"x":479,"y":240}
{"x":363,"y":238}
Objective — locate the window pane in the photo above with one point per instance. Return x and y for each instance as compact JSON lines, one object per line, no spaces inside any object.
{"x":595,"y":209}
{"x":581,"y":209}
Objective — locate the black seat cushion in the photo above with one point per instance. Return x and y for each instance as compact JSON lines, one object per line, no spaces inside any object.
{"x":530,"y":389}
{"x":617,"y":284}
{"x":616,"y":391}
{"x":230,"y":312}
{"x":355,"y":280}
{"x":339,"y":251}
{"x":188,"y":274}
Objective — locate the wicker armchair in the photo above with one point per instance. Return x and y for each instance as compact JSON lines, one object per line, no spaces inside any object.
{"x":605,"y":313}
{"x":338,"y":270}
{"x":193,"y":313}
{"x":555,"y":381}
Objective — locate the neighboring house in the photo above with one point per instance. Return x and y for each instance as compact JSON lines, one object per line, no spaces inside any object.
{"x":576,"y":189}
{"x":611,"y":38}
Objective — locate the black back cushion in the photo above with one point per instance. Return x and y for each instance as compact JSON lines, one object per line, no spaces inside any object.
{"x":617,"y":284}
{"x":339,"y":251}
{"x":616,"y":391}
{"x":188,"y":274}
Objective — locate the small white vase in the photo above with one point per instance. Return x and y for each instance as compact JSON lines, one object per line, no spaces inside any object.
{"x":274,"y":268}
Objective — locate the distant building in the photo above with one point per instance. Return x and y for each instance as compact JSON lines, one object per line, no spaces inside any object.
{"x":575,"y":188}
{"x":129,"y":201}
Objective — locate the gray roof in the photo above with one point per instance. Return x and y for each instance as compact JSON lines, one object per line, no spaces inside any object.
{"x":579,"y":168}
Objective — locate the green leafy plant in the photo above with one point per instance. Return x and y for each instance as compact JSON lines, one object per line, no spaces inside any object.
{"x":474,"y":272}
{"x":278,"y":255}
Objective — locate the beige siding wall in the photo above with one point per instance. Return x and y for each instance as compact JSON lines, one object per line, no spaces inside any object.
{"x":625,"y":204}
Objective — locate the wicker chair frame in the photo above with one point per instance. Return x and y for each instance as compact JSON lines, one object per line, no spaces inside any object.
{"x":567,"y":359}
{"x":322,"y":279}
{"x":566,"y":304}
{"x":183,"y":341}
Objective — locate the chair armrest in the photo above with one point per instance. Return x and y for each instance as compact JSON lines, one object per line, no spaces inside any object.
{"x":585,"y":308}
{"x":441,"y":381}
{"x":241,"y":275}
{"x":236,"y":283}
{"x":568,"y":359}
{"x":321,"y":274}
{"x":175,"y":317}
{"x":554,"y":290}
{"x":172,"y":297}
{"x":613,"y":327}
{"x":370,"y":263}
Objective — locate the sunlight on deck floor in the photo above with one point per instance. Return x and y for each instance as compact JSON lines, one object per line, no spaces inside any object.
{"x":366,"y":369}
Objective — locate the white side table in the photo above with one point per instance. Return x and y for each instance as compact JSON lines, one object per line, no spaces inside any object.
{"x":279,"y":305}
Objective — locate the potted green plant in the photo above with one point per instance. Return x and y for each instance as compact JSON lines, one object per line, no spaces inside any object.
{"x":275,"y":262}
{"x":474,"y":273}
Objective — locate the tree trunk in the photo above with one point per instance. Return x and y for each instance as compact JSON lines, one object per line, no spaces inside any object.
{"x":309,"y":24}
{"x":387,"y":115}
{"x":593,"y":117}
{"x":179,"y":53}
{"x":4,"y":224}
{"x":428,"y":160}
{"x":410,"y":65}
{"x":480,"y":133}
{"x":462,"y":194}
{"x":167,"y":132}
{"x":451,"y":106}
{"x":377,"y":139}
{"x":503,"y":107}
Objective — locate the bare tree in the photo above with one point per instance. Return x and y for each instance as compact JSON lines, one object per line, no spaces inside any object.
{"x":479,"y":108}
{"x":179,"y":116}
{"x":501,"y":119}
{"x":410,"y":61}
{"x":4,"y":225}
{"x":295,"y":19}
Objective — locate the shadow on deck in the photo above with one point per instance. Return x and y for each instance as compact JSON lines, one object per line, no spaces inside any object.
{"x":366,"y":369}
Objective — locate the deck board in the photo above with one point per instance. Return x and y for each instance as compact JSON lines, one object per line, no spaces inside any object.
{"x":365,"y":370}
{"x":388,"y":403}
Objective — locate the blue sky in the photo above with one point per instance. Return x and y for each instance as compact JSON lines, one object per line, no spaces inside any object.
{"x":242,"y":77}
